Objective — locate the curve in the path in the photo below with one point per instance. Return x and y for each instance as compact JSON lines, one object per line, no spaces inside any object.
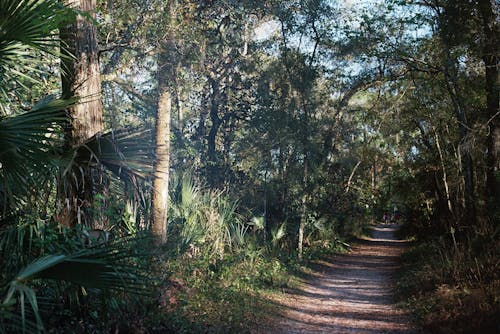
{"x":351,"y":293}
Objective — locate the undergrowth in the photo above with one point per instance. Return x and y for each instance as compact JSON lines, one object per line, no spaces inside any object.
{"x":232,"y":294}
{"x":225,"y":267}
{"x":452,"y":283}
{"x":218,"y":272}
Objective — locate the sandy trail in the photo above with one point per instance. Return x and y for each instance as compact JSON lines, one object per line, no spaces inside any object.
{"x":350,"y":293}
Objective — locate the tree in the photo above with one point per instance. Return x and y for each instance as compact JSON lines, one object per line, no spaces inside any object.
{"x":81,"y":73}
{"x":30,"y":150}
{"x":81,"y":80}
{"x":460,"y":23}
{"x":165,"y":80}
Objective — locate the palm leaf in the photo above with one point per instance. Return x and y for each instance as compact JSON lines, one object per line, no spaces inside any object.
{"x":25,"y":26}
{"x":13,"y":322}
{"x":127,"y":153}
{"x":107,"y":268}
{"x":28,"y":144}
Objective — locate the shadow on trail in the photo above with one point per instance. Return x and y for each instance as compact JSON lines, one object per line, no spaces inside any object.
{"x":348,"y":293}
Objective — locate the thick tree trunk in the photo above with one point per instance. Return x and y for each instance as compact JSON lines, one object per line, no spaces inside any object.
{"x":81,"y":75}
{"x":490,"y":58}
{"x":80,"y":79}
{"x":166,"y":78}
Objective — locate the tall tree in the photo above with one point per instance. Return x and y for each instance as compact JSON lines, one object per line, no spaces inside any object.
{"x":81,"y":74}
{"x":81,"y":80}
{"x":166,"y":90}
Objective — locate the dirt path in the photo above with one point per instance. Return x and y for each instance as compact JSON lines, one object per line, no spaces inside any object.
{"x":352,"y":293}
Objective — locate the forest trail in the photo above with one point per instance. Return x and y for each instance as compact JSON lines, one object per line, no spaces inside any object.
{"x":349,"y":293}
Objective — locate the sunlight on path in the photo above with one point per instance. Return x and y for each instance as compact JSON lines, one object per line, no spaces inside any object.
{"x":352,"y":293}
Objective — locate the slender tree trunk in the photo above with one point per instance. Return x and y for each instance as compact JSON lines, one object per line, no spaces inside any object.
{"x":283,"y":180}
{"x":80,"y":79}
{"x":445,"y":176}
{"x":305,"y":180}
{"x":374,"y":187}
{"x":165,"y":76}
{"x":463,"y":133}
{"x":303,"y":210}
{"x":490,"y":58}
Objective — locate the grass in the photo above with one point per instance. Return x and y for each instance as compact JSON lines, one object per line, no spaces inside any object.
{"x":233,"y":294}
{"x":224,"y":296}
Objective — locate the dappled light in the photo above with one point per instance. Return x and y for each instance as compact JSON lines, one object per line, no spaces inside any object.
{"x":292,"y":166}
{"x":349,"y":293}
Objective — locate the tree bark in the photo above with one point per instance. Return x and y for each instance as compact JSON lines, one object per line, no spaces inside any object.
{"x":80,"y":79}
{"x":303,"y":210}
{"x":81,"y":75}
{"x":166,"y":77}
{"x":162,"y":165}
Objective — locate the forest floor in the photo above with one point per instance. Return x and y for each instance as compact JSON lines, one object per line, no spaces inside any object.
{"x":347,"y":293}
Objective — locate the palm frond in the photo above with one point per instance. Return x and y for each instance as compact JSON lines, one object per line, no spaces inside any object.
{"x":13,"y":322}
{"x":258,"y":223}
{"x":28,"y":144}
{"x":238,"y":233}
{"x":277,"y":234}
{"x":127,"y":153}
{"x":28,"y":25}
{"x":106,"y":267}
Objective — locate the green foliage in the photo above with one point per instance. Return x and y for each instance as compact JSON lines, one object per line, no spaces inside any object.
{"x":323,"y":124}
{"x":25,"y":26}
{"x":221,"y":295}
{"x":102,"y":268}
{"x":205,"y":221}
{"x":30,"y":143}
{"x":40,"y":252}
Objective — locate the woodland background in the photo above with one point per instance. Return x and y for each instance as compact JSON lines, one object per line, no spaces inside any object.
{"x":164,"y":165}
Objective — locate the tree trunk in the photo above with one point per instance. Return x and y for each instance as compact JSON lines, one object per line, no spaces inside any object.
{"x":303,"y":210}
{"x":166,"y":76}
{"x":445,"y":176}
{"x":305,"y":180}
{"x":80,"y":79}
{"x":463,"y":133}
{"x":81,"y":75}
{"x":490,"y":58}
{"x":374,"y":189}
{"x":162,"y":165}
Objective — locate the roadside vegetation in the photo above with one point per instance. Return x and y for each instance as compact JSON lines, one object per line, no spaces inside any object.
{"x":166,"y":165}
{"x":451,"y":282}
